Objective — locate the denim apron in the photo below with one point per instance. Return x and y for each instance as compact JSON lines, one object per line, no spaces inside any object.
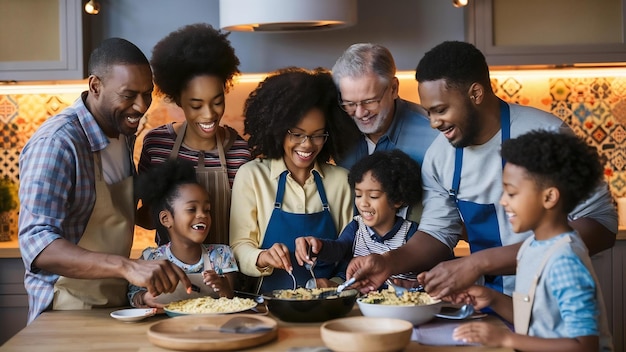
{"x":285,"y":227}
{"x":481,"y":220}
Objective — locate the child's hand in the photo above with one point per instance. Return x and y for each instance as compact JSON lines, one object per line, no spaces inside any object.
{"x":302,"y":249}
{"x":483,"y":333}
{"x":478,"y":296}
{"x":219,"y":283}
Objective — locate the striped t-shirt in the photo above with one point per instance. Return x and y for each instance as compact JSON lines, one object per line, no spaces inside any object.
{"x":159,"y":142}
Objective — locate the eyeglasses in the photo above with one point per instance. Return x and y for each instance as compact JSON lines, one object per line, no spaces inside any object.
{"x":369,"y":104}
{"x":300,"y":138}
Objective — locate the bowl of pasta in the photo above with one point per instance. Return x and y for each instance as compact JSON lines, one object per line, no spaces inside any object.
{"x":415,"y":307}
{"x":304,"y":305}
{"x":209,"y":305}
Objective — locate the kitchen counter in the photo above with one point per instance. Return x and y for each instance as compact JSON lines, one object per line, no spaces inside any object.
{"x":95,"y":330}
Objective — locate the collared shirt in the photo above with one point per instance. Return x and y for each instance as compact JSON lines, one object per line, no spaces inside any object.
{"x":57,"y":191}
{"x":254,"y":194}
{"x":409,"y":131}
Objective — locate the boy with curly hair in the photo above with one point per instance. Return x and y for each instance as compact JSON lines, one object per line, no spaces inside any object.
{"x":383,"y":182}
{"x":557,"y":304}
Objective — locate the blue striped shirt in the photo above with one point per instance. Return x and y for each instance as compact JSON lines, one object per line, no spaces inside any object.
{"x":57,"y":192}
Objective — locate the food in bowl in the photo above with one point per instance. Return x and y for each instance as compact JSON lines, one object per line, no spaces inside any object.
{"x":415,"y":307}
{"x":389,"y":297}
{"x":366,"y":334}
{"x":302,"y":293}
{"x":209,"y":305}
{"x":310,"y":310}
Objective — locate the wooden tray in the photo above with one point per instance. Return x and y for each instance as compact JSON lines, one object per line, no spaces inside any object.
{"x":194,"y":333}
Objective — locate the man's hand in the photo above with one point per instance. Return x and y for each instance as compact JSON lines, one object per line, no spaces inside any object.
{"x":370,"y":271}
{"x":449,"y":277}
{"x":157,"y":276}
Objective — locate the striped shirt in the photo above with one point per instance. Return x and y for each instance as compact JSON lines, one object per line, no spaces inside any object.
{"x":57,"y":192}
{"x":159,"y":142}
{"x":358,"y":239}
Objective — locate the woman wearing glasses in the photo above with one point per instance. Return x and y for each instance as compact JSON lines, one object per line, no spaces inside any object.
{"x":296,"y":127}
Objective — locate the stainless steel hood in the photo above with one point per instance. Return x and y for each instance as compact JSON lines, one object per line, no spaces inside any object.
{"x":286,"y":15}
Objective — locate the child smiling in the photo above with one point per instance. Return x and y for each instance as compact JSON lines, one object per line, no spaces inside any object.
{"x":383,"y":183}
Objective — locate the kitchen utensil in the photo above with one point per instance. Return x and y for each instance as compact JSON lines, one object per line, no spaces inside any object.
{"x":462,"y":313}
{"x":366,"y":334}
{"x":204,"y":333}
{"x":133,"y":314}
{"x":240,"y":325}
{"x":310,"y":283}
{"x":292,"y":278}
{"x":346,"y":284}
{"x":306,"y":311}
{"x":415,"y":314}
{"x":401,"y":290}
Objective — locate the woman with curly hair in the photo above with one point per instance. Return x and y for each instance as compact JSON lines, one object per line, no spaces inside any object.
{"x":194,"y":67}
{"x":297,"y":127}
{"x":383,"y":182}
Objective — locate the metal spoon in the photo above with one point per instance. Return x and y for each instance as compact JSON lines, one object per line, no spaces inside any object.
{"x":312,"y":283}
{"x":401,"y":290}
{"x":462,"y":313}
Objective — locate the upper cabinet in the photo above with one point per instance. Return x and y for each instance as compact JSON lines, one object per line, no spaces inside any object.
{"x":41,"y":40}
{"x":555,"y":32}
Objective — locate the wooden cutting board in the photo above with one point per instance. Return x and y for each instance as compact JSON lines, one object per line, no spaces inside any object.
{"x":201,"y":333}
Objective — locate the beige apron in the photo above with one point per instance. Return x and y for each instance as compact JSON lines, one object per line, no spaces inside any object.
{"x":215,"y":180}
{"x":523,"y":302}
{"x":109,"y":230}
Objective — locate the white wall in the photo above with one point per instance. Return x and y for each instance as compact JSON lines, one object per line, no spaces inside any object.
{"x":407,"y":27}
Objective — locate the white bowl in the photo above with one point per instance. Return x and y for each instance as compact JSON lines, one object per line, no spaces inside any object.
{"x":416,"y":314}
{"x":133,"y":314}
{"x":366,"y":334}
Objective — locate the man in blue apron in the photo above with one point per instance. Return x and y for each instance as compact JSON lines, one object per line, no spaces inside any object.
{"x":462,"y":180}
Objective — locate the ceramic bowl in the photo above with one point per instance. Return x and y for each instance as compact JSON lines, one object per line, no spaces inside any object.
{"x":366,"y":334}
{"x":415,"y":314}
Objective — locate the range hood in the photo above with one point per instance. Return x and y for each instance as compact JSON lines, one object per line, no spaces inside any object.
{"x":286,"y":15}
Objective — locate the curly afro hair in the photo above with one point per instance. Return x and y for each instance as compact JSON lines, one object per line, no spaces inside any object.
{"x":460,"y":64}
{"x":280,"y":102}
{"x":191,"y":51}
{"x":398,"y":174}
{"x":159,"y":186}
{"x":558,"y":160}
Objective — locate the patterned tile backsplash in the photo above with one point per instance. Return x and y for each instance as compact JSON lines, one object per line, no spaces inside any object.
{"x":592,"y":102}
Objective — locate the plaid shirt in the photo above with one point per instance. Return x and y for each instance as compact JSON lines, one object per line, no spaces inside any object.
{"x":57,"y":192}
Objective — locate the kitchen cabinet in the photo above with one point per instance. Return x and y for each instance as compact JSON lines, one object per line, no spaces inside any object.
{"x":41,"y":40}
{"x":13,"y":298}
{"x":554,"y":33}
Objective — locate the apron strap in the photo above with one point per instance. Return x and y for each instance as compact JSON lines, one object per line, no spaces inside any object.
{"x":280,"y":192}
{"x":505,"y":127}
{"x":321,"y":190}
{"x":560,"y":243}
{"x":179,"y":141}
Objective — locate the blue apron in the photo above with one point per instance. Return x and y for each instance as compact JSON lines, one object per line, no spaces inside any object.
{"x":285,"y":227}
{"x":481,"y":220}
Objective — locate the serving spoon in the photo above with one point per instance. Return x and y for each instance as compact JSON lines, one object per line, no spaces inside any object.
{"x":464,"y":312}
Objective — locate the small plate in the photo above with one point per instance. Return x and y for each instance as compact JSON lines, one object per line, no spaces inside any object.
{"x":133,"y":314}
